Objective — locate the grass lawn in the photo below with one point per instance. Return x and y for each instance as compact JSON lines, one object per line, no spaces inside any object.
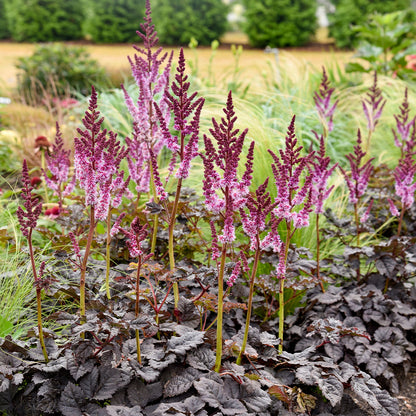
{"x":113,"y":57}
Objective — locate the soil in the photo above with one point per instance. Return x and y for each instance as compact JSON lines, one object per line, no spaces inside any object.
{"x":407,"y":397}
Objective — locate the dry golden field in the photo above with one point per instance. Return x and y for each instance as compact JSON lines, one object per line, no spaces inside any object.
{"x":253,"y":62}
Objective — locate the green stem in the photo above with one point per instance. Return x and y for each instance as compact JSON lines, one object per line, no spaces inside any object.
{"x":107,"y":256}
{"x":38,"y":297}
{"x":84,"y":266}
{"x":250,"y":301}
{"x":137,"y":309}
{"x":357,"y":225}
{"x":171,"y":242}
{"x":399,"y":229}
{"x":220,"y":309}
{"x":43,"y":164}
{"x":155,"y":217}
{"x":281,"y":291}
{"x":318,"y":242}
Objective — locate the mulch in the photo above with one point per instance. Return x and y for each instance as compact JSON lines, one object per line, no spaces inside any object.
{"x":407,"y":396}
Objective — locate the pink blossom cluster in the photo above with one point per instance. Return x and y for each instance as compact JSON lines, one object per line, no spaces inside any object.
{"x":373,"y":105}
{"x":323,"y":103}
{"x":186,"y":115}
{"x":152,"y":83}
{"x":288,"y":170}
{"x":225,"y":193}
{"x":136,"y":235}
{"x":58,"y":163}
{"x":405,"y":187}
{"x":405,"y":132}
{"x":321,"y":172}
{"x":357,"y":180}
{"x":97,"y":160}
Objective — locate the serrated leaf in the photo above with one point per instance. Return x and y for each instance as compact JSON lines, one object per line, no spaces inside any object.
{"x":254,"y":397}
{"x":123,"y":411}
{"x":383,"y":334}
{"x":89,"y":383}
{"x":379,"y":400}
{"x":336,"y":352}
{"x":386,"y":265}
{"x":180,"y":383}
{"x":110,"y":380}
{"x":308,"y":374}
{"x":362,"y":354}
{"x":182,"y":344}
{"x":72,"y":400}
{"x":376,"y":365}
{"x":394,"y":354}
{"x":213,"y":393}
{"x":202,"y":358}
{"x":306,"y":402}
{"x":332,"y":389}
{"x":280,"y":393}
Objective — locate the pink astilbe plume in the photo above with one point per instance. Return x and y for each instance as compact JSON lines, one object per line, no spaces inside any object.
{"x":373,"y":107}
{"x":186,"y":112}
{"x":28,"y":218}
{"x":405,"y":132}
{"x":225,"y":193}
{"x":136,"y":235}
{"x":294,"y":201}
{"x":321,"y":171}
{"x":357,"y":180}
{"x":97,"y":160}
{"x":323,"y":103}
{"x":404,"y":176}
{"x":58,"y":163}
{"x":152,"y":83}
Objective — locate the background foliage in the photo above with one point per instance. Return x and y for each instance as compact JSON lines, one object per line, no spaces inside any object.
{"x":4,"y":26}
{"x":181,"y":20}
{"x":355,"y":12}
{"x":45,"y":20}
{"x":279,"y":23}
{"x":114,"y":21}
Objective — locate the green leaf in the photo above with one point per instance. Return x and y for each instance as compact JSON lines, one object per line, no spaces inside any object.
{"x":355,"y":67}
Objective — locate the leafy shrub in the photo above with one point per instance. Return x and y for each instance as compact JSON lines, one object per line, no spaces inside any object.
{"x":57,"y":70}
{"x":279,"y":23}
{"x":386,"y":41}
{"x":45,"y":20}
{"x":355,"y":12}
{"x":114,"y":21}
{"x":4,"y":27}
{"x":181,"y":20}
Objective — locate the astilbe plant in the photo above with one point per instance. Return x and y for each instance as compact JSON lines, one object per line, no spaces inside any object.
{"x":357,"y":182}
{"x":225,"y":194}
{"x":321,"y":164}
{"x":136,"y":235}
{"x":404,"y":173}
{"x":148,"y":139}
{"x":58,"y":163}
{"x":373,"y":107}
{"x":98,"y":155}
{"x":321,"y":172}
{"x":323,"y":104}
{"x":405,"y":132}
{"x":186,"y":110}
{"x":28,"y":219}
{"x":255,"y":220}
{"x":294,"y":202}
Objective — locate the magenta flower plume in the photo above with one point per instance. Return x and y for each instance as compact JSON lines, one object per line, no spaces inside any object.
{"x":405,"y":132}
{"x":357,"y":180}
{"x":321,"y":172}
{"x":58,"y":163}
{"x":97,"y":159}
{"x":152,"y":82}
{"x":28,"y":218}
{"x":293,"y":201}
{"x":373,"y":105}
{"x":183,"y":108}
{"x":323,"y":103}
{"x":136,"y":235}
{"x":404,"y":176}
{"x":225,"y":193}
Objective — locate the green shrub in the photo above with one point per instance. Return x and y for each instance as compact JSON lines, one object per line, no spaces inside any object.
{"x":4,"y":26}
{"x":44,"y":20}
{"x":279,"y":23}
{"x":178,"y":21}
{"x":349,"y":13}
{"x":56,"y":70}
{"x":114,"y":21}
